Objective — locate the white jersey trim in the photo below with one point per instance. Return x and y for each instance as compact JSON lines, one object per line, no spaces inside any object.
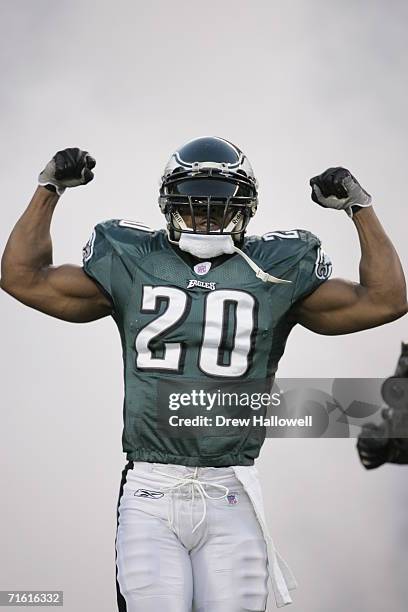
{"x":135,"y":225}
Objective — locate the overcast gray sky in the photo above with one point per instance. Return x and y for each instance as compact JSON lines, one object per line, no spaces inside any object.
{"x":300,"y":86}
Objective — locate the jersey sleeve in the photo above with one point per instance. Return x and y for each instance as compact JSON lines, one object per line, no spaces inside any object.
{"x":111,"y":255}
{"x":315,"y":268}
{"x":97,"y":256}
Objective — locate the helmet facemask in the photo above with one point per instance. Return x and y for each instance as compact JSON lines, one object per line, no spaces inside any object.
{"x":208,"y":194}
{"x":210,"y":201}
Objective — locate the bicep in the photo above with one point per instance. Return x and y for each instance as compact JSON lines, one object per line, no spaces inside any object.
{"x":341,"y":306}
{"x":68,"y":293}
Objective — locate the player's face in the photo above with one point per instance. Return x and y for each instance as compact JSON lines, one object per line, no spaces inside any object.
{"x":200,"y":215}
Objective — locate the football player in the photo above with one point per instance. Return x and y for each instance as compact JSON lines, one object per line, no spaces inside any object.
{"x":387,"y":442}
{"x":200,"y":306}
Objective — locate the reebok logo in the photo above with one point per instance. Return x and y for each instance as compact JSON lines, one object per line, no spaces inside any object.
{"x":147,"y":493}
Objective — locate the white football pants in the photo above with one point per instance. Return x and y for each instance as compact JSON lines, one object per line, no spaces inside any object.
{"x":195,"y":539}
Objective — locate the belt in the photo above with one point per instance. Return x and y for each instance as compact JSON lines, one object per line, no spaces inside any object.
{"x":192,"y":481}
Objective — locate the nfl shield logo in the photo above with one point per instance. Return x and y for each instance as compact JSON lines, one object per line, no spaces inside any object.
{"x":202,"y":268}
{"x":232,"y":498}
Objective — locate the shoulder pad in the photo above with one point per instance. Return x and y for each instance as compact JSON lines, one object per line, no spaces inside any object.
{"x":304,"y":236}
{"x":281,"y":248}
{"x":130,"y":236}
{"x":128,"y":239}
{"x":121,"y":228}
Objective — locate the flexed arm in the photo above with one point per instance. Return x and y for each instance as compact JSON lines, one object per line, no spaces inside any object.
{"x":340,"y":306}
{"x":27,"y":273}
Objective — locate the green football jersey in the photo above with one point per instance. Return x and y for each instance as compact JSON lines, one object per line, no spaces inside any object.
{"x":190,"y":329}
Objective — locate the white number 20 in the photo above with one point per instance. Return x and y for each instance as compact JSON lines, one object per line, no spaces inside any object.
{"x":222,"y":308}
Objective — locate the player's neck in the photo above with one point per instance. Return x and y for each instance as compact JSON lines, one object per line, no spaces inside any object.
{"x":192,"y":261}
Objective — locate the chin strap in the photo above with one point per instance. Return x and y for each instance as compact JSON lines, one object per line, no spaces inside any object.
{"x":264,"y":276}
{"x":261,"y":274}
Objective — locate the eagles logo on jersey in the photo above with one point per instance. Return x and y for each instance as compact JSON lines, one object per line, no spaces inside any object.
{"x":227,"y":328}
{"x":88,"y":248}
{"x":323,"y":266}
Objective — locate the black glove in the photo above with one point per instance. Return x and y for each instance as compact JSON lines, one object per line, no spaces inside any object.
{"x":337,"y":188}
{"x":68,"y":168}
{"x":375,"y":446}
